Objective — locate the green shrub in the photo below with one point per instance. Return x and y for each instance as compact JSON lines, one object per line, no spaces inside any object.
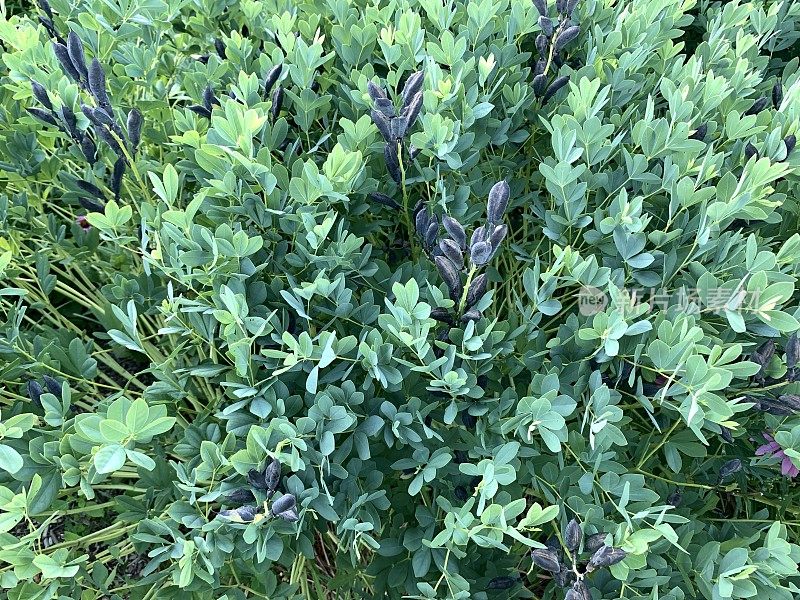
{"x":426,"y":299}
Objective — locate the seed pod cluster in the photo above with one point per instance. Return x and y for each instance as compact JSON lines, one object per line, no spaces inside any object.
{"x":556,"y":34}
{"x":453,"y":255}
{"x":35,"y":390}
{"x":573,"y":576}
{"x":267,"y":481}
{"x":394,"y":126}
{"x":783,"y":406}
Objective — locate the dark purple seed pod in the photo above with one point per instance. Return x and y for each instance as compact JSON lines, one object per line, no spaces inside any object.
{"x":219,"y":46}
{"x":557,"y":84}
{"x":90,"y":188}
{"x":413,"y":152}
{"x":392,"y":162}
{"x":461,"y":493}
{"x":272,"y":77}
{"x":412,"y":87}
{"x":97,"y":84}
{"x":89,"y":149}
{"x":91,"y":205}
{"x":700,"y":132}
{"x":272,"y":474}
{"x":385,"y":107}
{"x":105,"y":135}
{"x":546,"y":25}
{"x":289,"y":515}
{"x":35,"y":392}
{"x":41,"y":95}
{"x":750,"y":151}
{"x":455,"y":230}
{"x":239,"y":496}
{"x":757,"y":107}
{"x":791,"y":402}
{"x":70,"y":121}
{"x":571,"y":6}
{"x":570,"y":595}
{"x":606,"y":556}
{"x":277,"y":102}
{"x":451,"y":250}
{"x":200,"y":110}
{"x":777,"y":95}
{"x":450,"y":276}
{"x":573,"y":534}
{"x":480,"y":253}
{"x":209,"y":99}
{"x":539,"y":67}
{"x":76,"y":55}
{"x":432,"y":233}
{"x":413,"y":109}
{"x":375,"y":92}
{"x":476,"y":289}
{"x":541,"y":6}
{"x":790,"y":141}
{"x":729,"y":468}
{"x":53,"y":385}
{"x":88,"y":111}
{"x":561,"y":6}
{"x":501,"y":583}
{"x":134,"y":127}
{"x":42,"y":115}
{"x":763,"y":355}
{"x":385,"y":200}
{"x":442,"y":315}
{"x":282,"y":504}
{"x":539,"y":85}
{"x":62,"y":54}
{"x":565,"y":37}
{"x":479,"y":235}
{"x":726,"y":434}
{"x":202,"y":59}
{"x":51,"y":30}
{"x":243,"y":514}
{"x":594,"y":542}
{"x":546,"y":559}
{"x":498,"y":202}
{"x":792,"y":350}
{"x":581,"y":591}
{"x":675,"y":498}
{"x":421,"y":222}
{"x":45,"y":6}
{"x":497,"y":237}
{"x":397,"y":127}
{"x":542,"y":44}
{"x":116,"y":178}
{"x":105,"y":118}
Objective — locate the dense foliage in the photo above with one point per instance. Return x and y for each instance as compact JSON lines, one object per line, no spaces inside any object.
{"x":417,"y":298}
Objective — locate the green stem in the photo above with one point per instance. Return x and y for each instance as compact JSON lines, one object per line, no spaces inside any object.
{"x":463,"y":300}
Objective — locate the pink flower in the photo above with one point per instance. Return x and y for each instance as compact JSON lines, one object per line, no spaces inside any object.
{"x":83,"y":222}
{"x":773,"y":448}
